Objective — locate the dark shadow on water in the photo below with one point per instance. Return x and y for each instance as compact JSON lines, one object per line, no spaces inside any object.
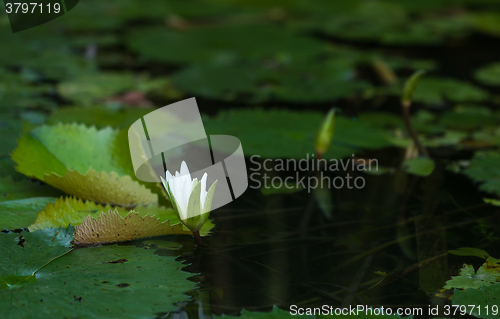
{"x":281,"y":249}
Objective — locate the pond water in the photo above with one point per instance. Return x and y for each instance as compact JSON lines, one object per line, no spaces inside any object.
{"x":281,"y":249}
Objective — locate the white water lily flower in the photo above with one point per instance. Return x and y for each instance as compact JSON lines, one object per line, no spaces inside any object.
{"x":190,"y":199}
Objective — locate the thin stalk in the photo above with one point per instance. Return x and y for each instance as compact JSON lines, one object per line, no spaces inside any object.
{"x":409,"y":126}
{"x":406,"y":99}
{"x":197,"y":238}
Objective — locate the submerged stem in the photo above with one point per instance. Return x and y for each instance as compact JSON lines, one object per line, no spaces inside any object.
{"x":409,"y":126}
{"x":197,"y":237}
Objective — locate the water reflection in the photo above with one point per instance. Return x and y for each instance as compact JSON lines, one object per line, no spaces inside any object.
{"x":386,"y":245}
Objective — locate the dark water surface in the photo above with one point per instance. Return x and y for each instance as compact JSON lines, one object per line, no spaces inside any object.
{"x":281,"y":249}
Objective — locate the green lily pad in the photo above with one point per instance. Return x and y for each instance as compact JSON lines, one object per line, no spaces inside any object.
{"x":469,"y":278}
{"x":71,"y":211}
{"x":222,"y":44}
{"x":485,"y":300}
{"x":291,"y":134}
{"x":312,"y":81}
{"x":489,"y":74}
{"x":88,"y":89}
{"x":469,"y":117}
{"x":435,"y":90}
{"x":161,"y":244}
{"x":112,"y":14}
{"x":421,"y":166}
{"x":43,"y":52}
{"x":135,"y":281}
{"x":16,"y":214}
{"x":483,"y":169}
{"x":487,"y":22}
{"x":100,"y":116}
{"x":470,"y":251}
{"x":85,"y":162}
{"x":388,"y":22}
{"x":17,"y":91}
{"x":21,"y":258}
{"x":13,"y":190}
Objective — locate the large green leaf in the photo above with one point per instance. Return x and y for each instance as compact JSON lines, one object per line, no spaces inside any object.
{"x":290,"y":134}
{"x":484,"y":169}
{"x":435,"y":90}
{"x":100,"y":116}
{"x":91,"y":88}
{"x":21,"y":213}
{"x":388,"y":22}
{"x":24,"y":188}
{"x":420,"y":166}
{"x":20,"y":257}
{"x":85,"y":162}
{"x":105,"y":282}
{"x":222,"y":44}
{"x":111,"y":15}
{"x":469,"y":278}
{"x":487,"y":22}
{"x":17,"y":91}
{"x":311,"y":81}
{"x":43,"y":52}
{"x":485,"y":300}
{"x":489,"y":74}
{"x":71,"y":211}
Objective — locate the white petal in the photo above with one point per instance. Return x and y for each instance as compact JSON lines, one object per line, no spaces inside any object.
{"x":203,"y":193}
{"x":168,"y":175}
{"x":185,"y":169}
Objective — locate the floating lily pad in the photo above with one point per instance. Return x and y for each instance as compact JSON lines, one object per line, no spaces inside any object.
{"x":421,"y":166}
{"x":16,"y":214}
{"x":469,"y":117}
{"x":222,"y":44}
{"x":100,"y":116}
{"x":388,"y":22}
{"x":469,"y":278}
{"x":17,"y":91}
{"x":110,"y":227}
{"x":489,"y":74}
{"x":484,"y":169}
{"x":85,"y":162}
{"x":487,"y":22}
{"x":484,"y":299}
{"x":291,"y":134}
{"x":299,"y":83}
{"x":135,"y":281}
{"x":43,"y":52}
{"x":12,"y":190}
{"x":89,"y":89}
{"x":21,"y":258}
{"x":71,"y":211}
{"x":469,"y":251}
{"x":434,"y":90}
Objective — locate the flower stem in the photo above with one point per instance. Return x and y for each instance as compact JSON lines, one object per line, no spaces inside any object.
{"x":197,"y":237}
